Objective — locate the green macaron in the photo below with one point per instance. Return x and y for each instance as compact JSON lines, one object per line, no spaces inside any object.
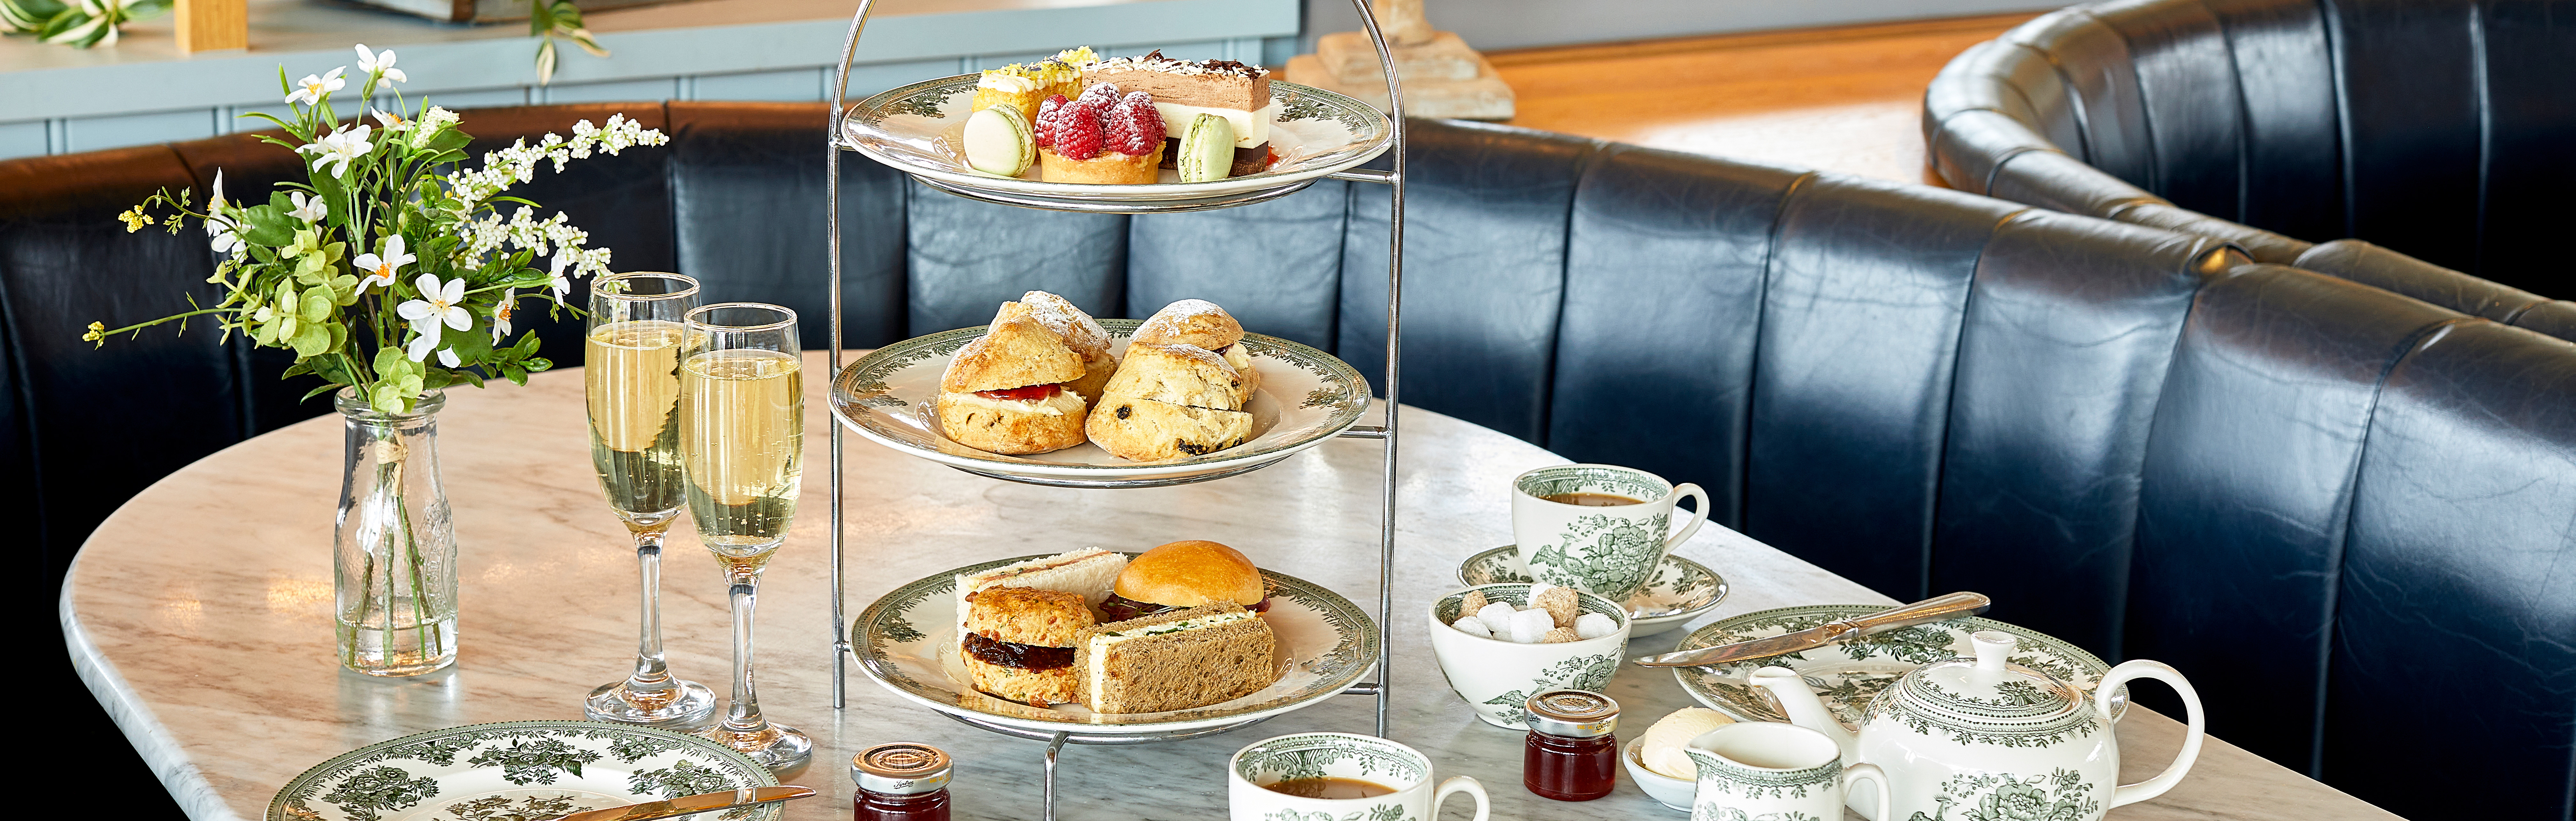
{"x":1207,"y":149}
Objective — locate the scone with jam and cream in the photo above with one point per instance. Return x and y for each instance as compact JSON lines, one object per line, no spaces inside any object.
{"x":1006,"y":391}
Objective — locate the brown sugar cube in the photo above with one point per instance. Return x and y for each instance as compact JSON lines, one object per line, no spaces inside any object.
{"x":1560,"y":604}
{"x":1474,"y":601}
{"x":1559,"y":635}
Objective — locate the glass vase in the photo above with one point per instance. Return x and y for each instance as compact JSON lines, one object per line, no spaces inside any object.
{"x":394,"y":552}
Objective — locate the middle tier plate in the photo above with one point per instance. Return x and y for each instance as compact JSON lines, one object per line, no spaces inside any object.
{"x":1306,"y":396}
{"x":907,"y":642}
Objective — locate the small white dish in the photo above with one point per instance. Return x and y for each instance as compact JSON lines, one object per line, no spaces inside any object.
{"x":1681,"y":589}
{"x":1497,"y":676}
{"x":1676,"y":793}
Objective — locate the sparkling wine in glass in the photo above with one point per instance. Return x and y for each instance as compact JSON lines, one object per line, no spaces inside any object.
{"x":631,"y":373}
{"x":742,"y":440}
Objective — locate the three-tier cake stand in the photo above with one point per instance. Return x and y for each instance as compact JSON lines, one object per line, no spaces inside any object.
{"x":1385,"y":434}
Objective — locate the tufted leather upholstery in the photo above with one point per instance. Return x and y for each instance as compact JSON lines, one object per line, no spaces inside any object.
{"x":2340,"y":509}
{"x":2436,"y":128}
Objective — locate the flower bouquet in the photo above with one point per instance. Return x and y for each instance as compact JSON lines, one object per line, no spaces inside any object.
{"x":392,"y":272}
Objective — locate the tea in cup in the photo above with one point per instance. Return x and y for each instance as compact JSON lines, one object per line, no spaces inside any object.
{"x":1598,"y":528}
{"x":1333,"y":776}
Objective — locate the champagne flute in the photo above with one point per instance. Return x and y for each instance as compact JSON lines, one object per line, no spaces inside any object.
{"x":632,"y":375}
{"x":742,"y":438}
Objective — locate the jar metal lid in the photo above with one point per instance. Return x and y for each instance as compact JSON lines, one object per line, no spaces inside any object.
{"x":901,"y":768}
{"x":1567,"y":713}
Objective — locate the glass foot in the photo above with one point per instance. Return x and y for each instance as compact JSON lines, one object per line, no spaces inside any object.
{"x":683,"y":704}
{"x":783,"y":749}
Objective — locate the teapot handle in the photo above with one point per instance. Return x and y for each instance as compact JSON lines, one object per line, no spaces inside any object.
{"x":2138,"y":669}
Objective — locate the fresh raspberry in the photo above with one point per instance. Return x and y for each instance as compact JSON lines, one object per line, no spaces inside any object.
{"x":1078,"y":133}
{"x":1102,"y":93}
{"x":1043,"y":131}
{"x":1135,"y":126}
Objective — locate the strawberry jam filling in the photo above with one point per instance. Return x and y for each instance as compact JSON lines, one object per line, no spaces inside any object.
{"x":1032,"y":393}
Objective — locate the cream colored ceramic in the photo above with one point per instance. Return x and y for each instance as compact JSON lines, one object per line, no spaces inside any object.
{"x":1497,"y":676}
{"x":1762,"y":771}
{"x":1986,"y":738}
{"x":1612,"y":551}
{"x":1339,"y":755}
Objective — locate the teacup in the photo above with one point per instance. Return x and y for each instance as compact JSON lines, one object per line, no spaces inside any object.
{"x":1497,"y":676}
{"x":1759,"y":769}
{"x":1611,"y":550}
{"x":1403,"y":771}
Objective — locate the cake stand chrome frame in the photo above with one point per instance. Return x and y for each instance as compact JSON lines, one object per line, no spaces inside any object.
{"x":838,"y":142}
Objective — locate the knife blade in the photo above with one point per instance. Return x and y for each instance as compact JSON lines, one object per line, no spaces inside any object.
{"x":687,"y":804}
{"x":1937,"y":608}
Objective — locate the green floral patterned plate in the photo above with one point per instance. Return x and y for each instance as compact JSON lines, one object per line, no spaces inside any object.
{"x":518,"y":770}
{"x":907,"y":642}
{"x":1681,"y":589}
{"x":915,"y":129}
{"x":1849,"y":674}
{"x":1306,"y":396}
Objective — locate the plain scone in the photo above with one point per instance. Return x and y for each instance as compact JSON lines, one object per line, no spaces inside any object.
{"x":1080,"y":332}
{"x":1018,"y":352}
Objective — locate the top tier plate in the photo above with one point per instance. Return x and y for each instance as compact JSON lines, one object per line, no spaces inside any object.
{"x":915,"y":129}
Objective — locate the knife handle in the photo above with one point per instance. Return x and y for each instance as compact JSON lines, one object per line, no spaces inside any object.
{"x":1937,"y":608}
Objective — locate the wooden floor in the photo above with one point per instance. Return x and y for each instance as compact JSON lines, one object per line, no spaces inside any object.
{"x":1846,"y":99}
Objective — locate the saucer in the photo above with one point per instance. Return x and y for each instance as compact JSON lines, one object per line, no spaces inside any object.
{"x":518,"y":769}
{"x":1681,"y":589}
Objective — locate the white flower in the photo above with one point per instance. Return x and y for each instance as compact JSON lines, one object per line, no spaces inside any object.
{"x":383,"y":64}
{"x":340,"y":146}
{"x":390,"y":120}
{"x":501,"y":315}
{"x":381,"y":269}
{"x":563,"y":259}
{"x":446,"y":356}
{"x":310,"y":89}
{"x":227,"y":239}
{"x":431,"y":122}
{"x":438,"y":303}
{"x":310,"y":210}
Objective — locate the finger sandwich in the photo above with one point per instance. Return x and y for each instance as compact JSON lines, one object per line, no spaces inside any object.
{"x":1175,"y":661}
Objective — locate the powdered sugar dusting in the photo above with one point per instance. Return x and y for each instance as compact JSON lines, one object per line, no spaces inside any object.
{"x":1157,"y":62}
{"x":1059,"y":315}
{"x":1202,"y":355}
{"x":1168,"y":321}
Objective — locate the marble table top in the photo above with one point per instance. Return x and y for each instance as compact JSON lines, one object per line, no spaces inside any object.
{"x":200,"y":613}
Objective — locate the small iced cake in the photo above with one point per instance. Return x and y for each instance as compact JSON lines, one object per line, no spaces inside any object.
{"x":1184,"y":89}
{"x":1103,"y":137}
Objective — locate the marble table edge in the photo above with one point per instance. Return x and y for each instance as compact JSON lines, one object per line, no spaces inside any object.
{"x":187,"y":785}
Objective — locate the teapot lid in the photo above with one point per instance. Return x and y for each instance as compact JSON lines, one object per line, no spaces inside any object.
{"x":1987,"y":694}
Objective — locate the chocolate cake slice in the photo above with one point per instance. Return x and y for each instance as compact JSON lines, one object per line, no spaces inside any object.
{"x":1183,"y":89}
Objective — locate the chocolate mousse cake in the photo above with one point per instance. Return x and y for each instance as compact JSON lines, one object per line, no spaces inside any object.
{"x":1183,"y":89}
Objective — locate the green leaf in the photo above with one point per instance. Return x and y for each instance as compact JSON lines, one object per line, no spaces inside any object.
{"x":546,"y":61}
{"x":537,"y":363}
{"x":297,"y":369}
{"x":319,"y":391}
{"x":450,"y":139}
{"x":268,"y":225}
{"x":315,"y":304}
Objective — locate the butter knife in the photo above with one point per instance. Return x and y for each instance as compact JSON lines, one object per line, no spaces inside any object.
{"x":1929,"y":610}
{"x":687,"y":804}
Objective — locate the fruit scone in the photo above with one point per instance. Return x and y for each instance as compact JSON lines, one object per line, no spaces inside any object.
{"x":1006,"y":391}
{"x":1200,"y":323}
{"x":1174,"y":398}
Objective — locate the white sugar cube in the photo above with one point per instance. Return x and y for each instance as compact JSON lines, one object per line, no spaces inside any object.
{"x":1529,"y":625}
{"x":1595,"y":625}
{"x":1473,"y":626}
{"x":1497,"y":618}
{"x":1539,"y":587}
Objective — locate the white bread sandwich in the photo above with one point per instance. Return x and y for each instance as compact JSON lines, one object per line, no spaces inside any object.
{"x":1175,"y":661}
{"x":1089,"y":573}
{"x":1006,"y":392}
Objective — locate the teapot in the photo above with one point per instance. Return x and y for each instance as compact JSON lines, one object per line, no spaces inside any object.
{"x":1984,"y":739}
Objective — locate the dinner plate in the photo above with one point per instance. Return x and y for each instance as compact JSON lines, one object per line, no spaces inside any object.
{"x":907,"y":642}
{"x":915,"y":129}
{"x":1848,"y":674}
{"x":1680,"y":590}
{"x":518,"y":770}
{"x":1306,"y":396}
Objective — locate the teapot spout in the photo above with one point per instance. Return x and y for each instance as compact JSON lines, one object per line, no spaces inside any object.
{"x":1805,"y":709}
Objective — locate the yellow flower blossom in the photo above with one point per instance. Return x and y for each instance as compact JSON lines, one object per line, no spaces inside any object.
{"x":135,"y":219}
{"x":97,"y":333}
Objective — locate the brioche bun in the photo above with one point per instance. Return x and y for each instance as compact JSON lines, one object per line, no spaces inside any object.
{"x":1190,"y":574}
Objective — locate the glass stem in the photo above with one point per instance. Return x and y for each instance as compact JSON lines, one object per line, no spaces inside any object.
{"x":651,"y":674}
{"x":744,"y":714}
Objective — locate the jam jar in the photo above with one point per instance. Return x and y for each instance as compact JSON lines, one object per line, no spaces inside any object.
{"x":1570,"y":754}
{"x":900,"y":782}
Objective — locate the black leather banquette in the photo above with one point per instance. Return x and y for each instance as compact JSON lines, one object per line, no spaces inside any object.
{"x":2437,"y":128}
{"x":2343,"y":512}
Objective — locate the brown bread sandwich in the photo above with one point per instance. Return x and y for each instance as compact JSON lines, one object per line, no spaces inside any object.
{"x":1006,"y":391}
{"x":1019,"y":643}
{"x":1175,"y":661}
{"x":1183,"y":575}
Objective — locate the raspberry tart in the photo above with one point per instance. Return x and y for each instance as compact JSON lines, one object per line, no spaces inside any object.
{"x":1101,"y":137}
